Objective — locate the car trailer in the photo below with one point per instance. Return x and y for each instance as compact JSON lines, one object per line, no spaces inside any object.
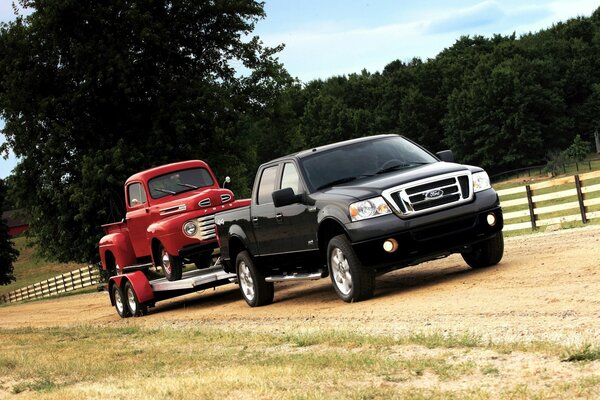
{"x":132,"y":293}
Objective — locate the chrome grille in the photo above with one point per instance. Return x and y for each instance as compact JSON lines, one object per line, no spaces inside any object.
{"x":430,"y":194}
{"x":207,"y":227}
{"x":225,"y":198}
{"x":204,"y":202}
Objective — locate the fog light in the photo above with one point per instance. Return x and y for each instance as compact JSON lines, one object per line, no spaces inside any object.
{"x":491,"y":219}
{"x":390,"y":245}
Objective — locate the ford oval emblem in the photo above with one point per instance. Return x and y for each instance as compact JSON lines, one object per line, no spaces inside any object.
{"x":434,"y":194}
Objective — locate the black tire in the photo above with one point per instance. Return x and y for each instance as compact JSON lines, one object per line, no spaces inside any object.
{"x":255,"y":290}
{"x":171,"y":265}
{"x":486,"y":254}
{"x":136,"y":309}
{"x":120,"y":303}
{"x":203,"y":261}
{"x":351,"y":280}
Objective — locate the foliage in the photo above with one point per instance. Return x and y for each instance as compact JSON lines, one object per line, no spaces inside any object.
{"x":579,"y":149}
{"x":8,"y":253}
{"x":93,"y":92}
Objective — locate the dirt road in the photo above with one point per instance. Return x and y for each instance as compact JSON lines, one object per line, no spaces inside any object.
{"x":546,"y":288}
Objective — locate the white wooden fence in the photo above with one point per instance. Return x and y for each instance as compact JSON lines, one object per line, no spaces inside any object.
{"x":531,"y":205}
{"x":67,"y":282}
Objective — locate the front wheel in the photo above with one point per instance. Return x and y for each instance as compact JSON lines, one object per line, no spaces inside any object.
{"x":486,"y":254}
{"x":255,"y":290}
{"x":351,"y":280}
{"x":171,"y":265}
{"x":119,"y":300}
{"x":135,"y":308}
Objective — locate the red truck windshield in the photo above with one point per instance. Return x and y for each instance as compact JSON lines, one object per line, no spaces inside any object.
{"x":179,"y":181}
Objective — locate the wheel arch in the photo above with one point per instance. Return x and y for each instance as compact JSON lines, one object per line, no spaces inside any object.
{"x":328,"y":228}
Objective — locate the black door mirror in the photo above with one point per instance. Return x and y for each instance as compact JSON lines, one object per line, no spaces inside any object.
{"x":285,"y":197}
{"x":445,"y":155}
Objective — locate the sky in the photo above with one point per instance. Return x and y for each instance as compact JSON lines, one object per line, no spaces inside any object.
{"x":324,"y":38}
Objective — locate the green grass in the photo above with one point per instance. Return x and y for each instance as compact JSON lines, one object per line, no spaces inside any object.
{"x":30,"y":268}
{"x":135,"y":362}
{"x":587,"y":353}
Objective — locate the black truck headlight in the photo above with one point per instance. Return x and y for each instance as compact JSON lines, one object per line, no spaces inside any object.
{"x":190,"y":228}
{"x":365,"y":209}
{"x":481,"y":181}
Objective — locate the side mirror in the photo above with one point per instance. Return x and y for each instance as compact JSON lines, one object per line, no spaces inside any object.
{"x":226,"y":181}
{"x":445,"y":155}
{"x":285,"y":197}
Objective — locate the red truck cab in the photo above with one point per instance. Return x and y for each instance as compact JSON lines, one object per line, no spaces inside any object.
{"x":169,"y":220}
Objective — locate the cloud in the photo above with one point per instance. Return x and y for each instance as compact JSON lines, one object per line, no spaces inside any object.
{"x":479,"y":15}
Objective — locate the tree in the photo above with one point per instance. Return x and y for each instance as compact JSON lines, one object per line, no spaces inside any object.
{"x":93,"y":92}
{"x":8,"y":254}
{"x":578,"y":150}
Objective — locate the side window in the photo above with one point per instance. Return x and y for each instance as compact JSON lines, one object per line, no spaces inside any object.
{"x":266,"y":186}
{"x":136,"y":194}
{"x":289,"y":178}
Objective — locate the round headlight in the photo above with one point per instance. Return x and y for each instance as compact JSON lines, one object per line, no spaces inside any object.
{"x":190,"y":228}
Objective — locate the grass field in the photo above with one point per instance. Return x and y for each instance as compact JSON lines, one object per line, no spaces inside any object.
{"x":205,"y":363}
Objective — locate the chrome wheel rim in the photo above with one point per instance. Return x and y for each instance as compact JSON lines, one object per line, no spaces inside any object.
{"x":246,"y":281}
{"x":119,"y":302}
{"x":341,"y":271}
{"x":166,"y":262}
{"x":131,"y":300}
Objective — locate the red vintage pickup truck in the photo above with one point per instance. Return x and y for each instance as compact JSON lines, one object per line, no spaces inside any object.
{"x":169,"y":221}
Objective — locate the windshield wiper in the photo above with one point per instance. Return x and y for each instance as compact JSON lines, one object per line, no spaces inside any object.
{"x":342,"y":180}
{"x":188,"y":185}
{"x":165,"y":191}
{"x":399,"y":166}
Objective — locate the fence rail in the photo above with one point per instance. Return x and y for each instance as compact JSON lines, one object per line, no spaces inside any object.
{"x":584,"y":196}
{"x":67,"y":282}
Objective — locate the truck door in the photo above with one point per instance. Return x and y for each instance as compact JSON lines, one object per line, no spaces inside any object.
{"x":262,"y":216}
{"x":138,"y":218}
{"x":297,"y":222}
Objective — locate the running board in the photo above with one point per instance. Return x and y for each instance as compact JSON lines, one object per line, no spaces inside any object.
{"x":136,"y":267}
{"x":297,"y":277}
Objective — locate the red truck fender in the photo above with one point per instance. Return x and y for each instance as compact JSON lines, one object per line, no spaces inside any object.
{"x":140,"y":284}
{"x":120,"y":246}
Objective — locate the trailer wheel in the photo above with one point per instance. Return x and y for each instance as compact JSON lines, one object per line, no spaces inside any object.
{"x":486,"y":254}
{"x":171,"y":265}
{"x":135,"y":307}
{"x":255,"y":290}
{"x":351,"y":280}
{"x":119,"y":301}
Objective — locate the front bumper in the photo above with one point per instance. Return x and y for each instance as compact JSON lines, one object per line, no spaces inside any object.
{"x":427,"y":237}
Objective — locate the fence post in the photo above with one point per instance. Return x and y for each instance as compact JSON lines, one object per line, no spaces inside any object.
{"x":530,"y":204}
{"x":580,"y":199}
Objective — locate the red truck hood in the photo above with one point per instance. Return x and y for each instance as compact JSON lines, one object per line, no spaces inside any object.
{"x":196,"y":201}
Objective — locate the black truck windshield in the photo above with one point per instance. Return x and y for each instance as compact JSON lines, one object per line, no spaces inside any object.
{"x":362,"y":159}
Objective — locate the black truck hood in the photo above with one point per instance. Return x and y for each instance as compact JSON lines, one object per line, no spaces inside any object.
{"x":368,"y":187}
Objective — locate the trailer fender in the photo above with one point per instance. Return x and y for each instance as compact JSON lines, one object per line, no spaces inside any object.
{"x":120,"y":247}
{"x":138,"y":281}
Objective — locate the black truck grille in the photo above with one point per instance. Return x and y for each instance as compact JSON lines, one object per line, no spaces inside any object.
{"x":430,"y":194}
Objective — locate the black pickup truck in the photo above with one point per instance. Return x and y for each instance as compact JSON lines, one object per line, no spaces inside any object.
{"x":356,"y":209}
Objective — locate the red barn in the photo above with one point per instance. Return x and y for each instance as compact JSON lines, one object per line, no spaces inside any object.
{"x":16,"y":221}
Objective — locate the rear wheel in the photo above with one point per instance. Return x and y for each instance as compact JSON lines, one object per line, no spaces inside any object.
{"x":119,"y":301}
{"x":255,"y":290}
{"x":351,"y":280}
{"x":486,"y":254}
{"x":171,"y":265}
{"x":135,"y":308}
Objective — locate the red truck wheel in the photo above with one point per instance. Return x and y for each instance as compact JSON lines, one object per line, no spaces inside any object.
{"x":171,"y":265}
{"x":119,"y":301}
{"x":255,"y":290}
